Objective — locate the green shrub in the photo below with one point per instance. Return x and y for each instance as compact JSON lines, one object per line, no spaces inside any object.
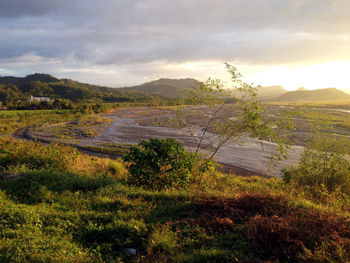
{"x":321,"y":169}
{"x":160,"y":164}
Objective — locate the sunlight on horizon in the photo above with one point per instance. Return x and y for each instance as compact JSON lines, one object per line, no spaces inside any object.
{"x":291,"y":77}
{"x":317,"y":76}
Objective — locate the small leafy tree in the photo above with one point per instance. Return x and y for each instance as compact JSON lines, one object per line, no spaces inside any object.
{"x":160,"y":164}
{"x":246,"y":116}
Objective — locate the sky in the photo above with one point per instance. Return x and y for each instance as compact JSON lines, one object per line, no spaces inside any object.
{"x":119,"y":43}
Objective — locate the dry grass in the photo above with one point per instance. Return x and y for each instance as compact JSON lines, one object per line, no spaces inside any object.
{"x":278,"y":230}
{"x":330,"y":103}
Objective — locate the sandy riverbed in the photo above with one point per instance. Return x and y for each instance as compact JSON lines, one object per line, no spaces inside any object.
{"x":246,"y":153}
{"x":129,"y":126}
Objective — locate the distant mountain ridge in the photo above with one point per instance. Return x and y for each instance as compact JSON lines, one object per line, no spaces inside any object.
{"x":278,"y":93}
{"x":270,"y":92}
{"x":45,"y":85}
{"x":314,"y":95}
{"x":164,"y":87}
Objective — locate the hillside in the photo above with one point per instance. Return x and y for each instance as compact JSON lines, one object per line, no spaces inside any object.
{"x":270,"y":92}
{"x":314,"y":95}
{"x":170,"y":88}
{"x":18,"y":81}
{"x":17,"y":89}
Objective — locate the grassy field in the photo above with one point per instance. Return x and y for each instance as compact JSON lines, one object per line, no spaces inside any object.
{"x":112,"y":149}
{"x":13,"y":120}
{"x":59,"y":205}
{"x":87,"y":126}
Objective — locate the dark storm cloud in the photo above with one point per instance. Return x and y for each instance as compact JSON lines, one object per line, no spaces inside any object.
{"x":127,"y":31}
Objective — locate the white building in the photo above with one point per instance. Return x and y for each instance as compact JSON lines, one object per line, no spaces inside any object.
{"x":39,"y":99}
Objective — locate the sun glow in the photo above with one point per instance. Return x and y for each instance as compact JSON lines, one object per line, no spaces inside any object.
{"x":317,"y":76}
{"x":291,"y":76}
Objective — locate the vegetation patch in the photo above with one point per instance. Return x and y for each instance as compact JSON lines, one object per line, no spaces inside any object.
{"x":302,"y":235}
{"x":88,"y":126}
{"x":278,"y":230}
{"x":160,"y":164}
{"x":11,"y":121}
{"x":70,"y":207}
{"x":110,"y":149}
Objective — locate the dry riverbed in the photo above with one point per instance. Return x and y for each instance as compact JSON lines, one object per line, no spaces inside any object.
{"x":130,"y":125}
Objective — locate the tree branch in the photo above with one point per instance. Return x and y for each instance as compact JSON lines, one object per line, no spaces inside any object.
{"x":207,"y":127}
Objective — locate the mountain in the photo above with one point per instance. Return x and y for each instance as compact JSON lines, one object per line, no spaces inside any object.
{"x":170,"y":88}
{"x":270,"y":92}
{"x":267,"y":93}
{"x":14,"y":89}
{"x":302,"y":88}
{"x":314,"y":95}
{"x":29,"y":78}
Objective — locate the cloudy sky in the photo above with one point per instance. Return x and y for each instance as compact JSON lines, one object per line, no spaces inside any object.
{"x":124,"y":42}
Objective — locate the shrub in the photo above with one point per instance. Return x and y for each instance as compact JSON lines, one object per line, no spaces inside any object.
{"x":321,"y":169}
{"x":324,"y":165}
{"x":160,"y":164}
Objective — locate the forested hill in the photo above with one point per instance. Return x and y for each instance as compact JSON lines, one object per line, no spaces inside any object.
{"x":170,"y":88}
{"x":16,"y":89}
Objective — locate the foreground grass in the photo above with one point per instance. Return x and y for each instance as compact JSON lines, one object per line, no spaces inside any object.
{"x":59,"y":205}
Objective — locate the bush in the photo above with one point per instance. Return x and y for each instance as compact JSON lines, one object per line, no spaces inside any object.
{"x":160,"y":164}
{"x":321,"y":169}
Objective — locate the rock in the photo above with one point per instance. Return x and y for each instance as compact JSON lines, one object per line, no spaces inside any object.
{"x":10,"y":176}
{"x":130,"y":251}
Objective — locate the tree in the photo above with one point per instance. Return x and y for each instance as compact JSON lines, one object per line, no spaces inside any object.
{"x":225,"y":121}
